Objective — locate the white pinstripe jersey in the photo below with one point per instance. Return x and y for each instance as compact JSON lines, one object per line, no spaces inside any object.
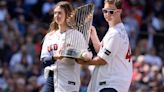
{"x":66,"y":71}
{"x":116,"y":52}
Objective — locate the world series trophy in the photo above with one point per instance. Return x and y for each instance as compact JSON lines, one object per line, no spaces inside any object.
{"x":80,"y":20}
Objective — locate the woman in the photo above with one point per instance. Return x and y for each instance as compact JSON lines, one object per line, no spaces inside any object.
{"x":65,"y":72}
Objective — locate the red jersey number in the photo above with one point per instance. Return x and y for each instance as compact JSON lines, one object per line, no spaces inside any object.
{"x":128,"y":54}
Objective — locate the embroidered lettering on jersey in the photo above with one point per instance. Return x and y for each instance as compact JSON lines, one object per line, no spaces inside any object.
{"x":71,"y":83}
{"x":55,"y":46}
{"x":107,"y":52}
{"x":102,"y":83}
{"x":52,"y":47}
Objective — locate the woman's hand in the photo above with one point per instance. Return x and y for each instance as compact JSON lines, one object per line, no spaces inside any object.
{"x":57,"y":54}
{"x":57,"y":57}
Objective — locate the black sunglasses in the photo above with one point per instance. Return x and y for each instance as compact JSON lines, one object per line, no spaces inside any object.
{"x":108,"y":11}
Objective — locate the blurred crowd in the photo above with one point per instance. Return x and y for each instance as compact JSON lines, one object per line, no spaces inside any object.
{"x":24,"y":23}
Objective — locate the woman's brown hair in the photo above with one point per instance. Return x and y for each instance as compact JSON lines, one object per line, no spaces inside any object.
{"x":67,"y":8}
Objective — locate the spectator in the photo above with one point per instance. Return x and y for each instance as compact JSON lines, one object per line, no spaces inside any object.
{"x":47,"y":6}
{"x":152,"y":58}
{"x":21,"y":59}
{"x":3,"y":11}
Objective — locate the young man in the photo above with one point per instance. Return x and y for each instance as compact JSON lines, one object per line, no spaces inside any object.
{"x":113,"y":70}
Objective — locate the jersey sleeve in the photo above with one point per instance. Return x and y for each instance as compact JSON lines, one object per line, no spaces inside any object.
{"x":110,"y":48}
{"x":44,"y":51}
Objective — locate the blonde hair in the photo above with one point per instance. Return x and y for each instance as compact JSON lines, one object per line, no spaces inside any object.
{"x":117,"y":3}
{"x":67,"y":8}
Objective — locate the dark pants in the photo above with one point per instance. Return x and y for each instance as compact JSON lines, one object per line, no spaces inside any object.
{"x":49,"y":86}
{"x":108,"y":90}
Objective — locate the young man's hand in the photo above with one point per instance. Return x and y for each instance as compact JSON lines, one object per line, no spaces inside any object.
{"x":85,"y":58}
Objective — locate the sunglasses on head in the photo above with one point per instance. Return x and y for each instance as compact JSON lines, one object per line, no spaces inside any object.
{"x":108,"y":11}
